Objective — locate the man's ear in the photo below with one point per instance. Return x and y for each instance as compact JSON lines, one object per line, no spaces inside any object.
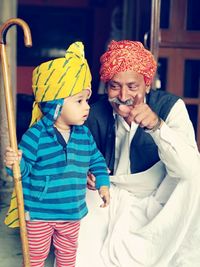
{"x":106,"y":88}
{"x":148,"y":88}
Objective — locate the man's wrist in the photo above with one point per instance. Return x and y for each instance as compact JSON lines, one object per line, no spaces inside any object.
{"x":157,"y":126}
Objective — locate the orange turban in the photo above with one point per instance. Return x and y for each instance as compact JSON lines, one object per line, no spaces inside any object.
{"x":127,"y":55}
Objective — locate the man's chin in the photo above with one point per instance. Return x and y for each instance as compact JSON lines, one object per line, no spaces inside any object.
{"x":122,"y":113}
{"x":122,"y":110}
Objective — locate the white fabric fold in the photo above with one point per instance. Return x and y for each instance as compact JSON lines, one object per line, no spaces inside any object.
{"x":140,"y":232}
{"x":141,"y":184}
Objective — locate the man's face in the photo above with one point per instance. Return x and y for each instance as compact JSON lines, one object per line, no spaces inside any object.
{"x":125,"y":86}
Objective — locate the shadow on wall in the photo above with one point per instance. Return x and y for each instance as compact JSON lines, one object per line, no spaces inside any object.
{"x":24,"y":110}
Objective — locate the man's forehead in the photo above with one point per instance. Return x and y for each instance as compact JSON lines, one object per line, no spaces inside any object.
{"x":120,"y":82}
{"x":127,"y":76}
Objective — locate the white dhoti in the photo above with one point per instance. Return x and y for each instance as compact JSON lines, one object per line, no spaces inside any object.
{"x":143,"y":227}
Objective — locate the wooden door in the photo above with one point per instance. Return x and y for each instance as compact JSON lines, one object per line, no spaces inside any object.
{"x":179,"y":54}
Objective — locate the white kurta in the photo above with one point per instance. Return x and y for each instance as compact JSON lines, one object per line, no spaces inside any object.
{"x":151,"y":221}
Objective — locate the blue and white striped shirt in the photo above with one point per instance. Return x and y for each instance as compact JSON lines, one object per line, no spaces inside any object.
{"x":55,"y":179}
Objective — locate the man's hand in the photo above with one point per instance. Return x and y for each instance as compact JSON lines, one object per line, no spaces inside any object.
{"x":105,"y":195}
{"x":91,"y":181}
{"x":141,"y":114}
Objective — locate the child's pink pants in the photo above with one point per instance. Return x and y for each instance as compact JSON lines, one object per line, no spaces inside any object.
{"x":64,"y":235}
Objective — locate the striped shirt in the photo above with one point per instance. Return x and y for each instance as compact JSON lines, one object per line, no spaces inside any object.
{"x":54,"y":176}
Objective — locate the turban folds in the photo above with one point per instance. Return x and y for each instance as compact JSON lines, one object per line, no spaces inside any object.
{"x":60,"y":78}
{"x":124,"y":56}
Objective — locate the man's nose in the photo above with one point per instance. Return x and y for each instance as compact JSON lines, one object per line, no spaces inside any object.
{"x":123,"y":95}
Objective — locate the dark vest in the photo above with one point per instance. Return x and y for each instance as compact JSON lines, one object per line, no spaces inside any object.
{"x":143,"y":151}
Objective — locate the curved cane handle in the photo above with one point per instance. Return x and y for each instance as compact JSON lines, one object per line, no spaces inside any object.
{"x":16,"y":21}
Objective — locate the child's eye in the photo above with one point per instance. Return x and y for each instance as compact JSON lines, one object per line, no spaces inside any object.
{"x":79,"y":100}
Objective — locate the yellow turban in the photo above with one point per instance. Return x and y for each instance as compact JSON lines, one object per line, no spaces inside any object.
{"x":60,"y":78}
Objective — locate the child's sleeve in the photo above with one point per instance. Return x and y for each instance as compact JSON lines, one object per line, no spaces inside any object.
{"x":98,"y":165}
{"x":29,"y":147}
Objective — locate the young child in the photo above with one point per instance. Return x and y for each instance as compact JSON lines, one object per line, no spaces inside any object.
{"x":55,"y":155}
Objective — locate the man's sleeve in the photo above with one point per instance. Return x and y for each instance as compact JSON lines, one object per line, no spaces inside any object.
{"x":176,"y":143}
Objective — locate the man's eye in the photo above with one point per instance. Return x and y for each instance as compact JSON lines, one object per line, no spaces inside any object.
{"x":114,"y":87}
{"x":133,"y":87}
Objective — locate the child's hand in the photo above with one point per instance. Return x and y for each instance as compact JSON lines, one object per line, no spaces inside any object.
{"x":10,"y":157}
{"x":105,"y":195}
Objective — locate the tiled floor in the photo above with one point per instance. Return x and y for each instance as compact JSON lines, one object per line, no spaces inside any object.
{"x":10,"y":246}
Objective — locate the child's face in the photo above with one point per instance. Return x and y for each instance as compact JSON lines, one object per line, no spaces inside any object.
{"x":75,"y":109}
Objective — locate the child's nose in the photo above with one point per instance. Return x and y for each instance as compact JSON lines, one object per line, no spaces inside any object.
{"x":87,"y":106}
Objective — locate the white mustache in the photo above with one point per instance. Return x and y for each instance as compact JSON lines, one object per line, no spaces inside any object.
{"x":128,"y":102}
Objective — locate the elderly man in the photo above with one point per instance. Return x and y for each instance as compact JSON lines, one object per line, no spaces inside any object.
{"x":148,"y":142}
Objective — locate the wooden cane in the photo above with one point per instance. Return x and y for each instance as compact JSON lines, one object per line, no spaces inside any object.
{"x":12,"y":127}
